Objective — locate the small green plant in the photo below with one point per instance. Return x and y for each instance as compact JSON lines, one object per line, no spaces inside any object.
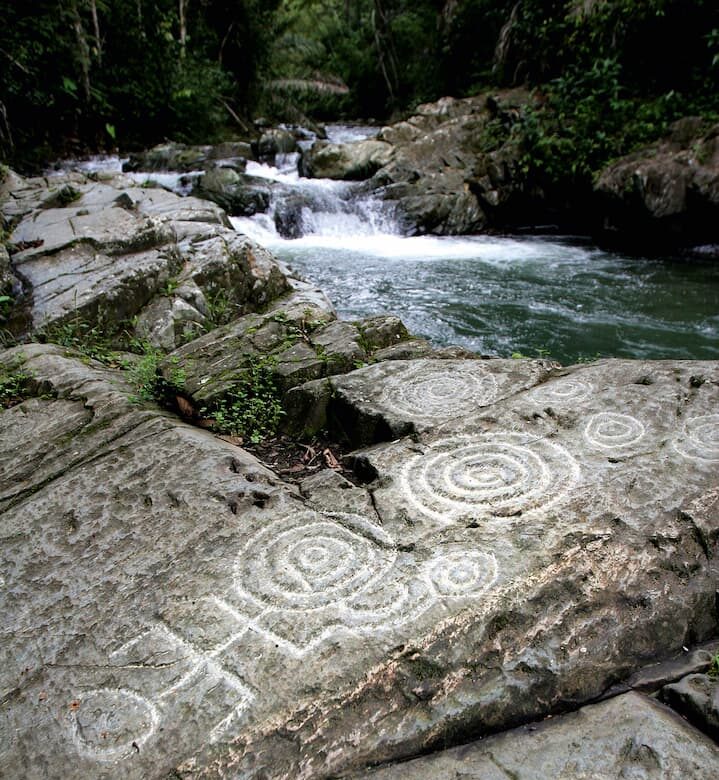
{"x":251,"y":408}
{"x":14,"y":384}
{"x":146,"y":378}
{"x":93,"y":341}
{"x":170,"y":286}
{"x":220,"y":309}
{"x":714,"y":666}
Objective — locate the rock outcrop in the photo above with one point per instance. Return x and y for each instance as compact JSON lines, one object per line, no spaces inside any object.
{"x":665,"y":195}
{"x":358,"y":160}
{"x":104,"y":252}
{"x":169,"y":604}
{"x":517,"y":541}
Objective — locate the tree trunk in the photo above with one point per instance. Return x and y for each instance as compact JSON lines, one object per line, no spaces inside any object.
{"x":183,"y":26}
{"x":385,"y":49}
{"x":96,"y":29}
{"x":83,"y":50}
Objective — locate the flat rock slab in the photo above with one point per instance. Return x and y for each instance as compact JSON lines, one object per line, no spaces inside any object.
{"x":630,"y":736}
{"x":167,"y":604}
{"x":396,"y":397}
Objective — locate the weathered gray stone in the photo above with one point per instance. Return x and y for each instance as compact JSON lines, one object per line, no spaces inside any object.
{"x":696,"y":697}
{"x":666,"y":193}
{"x":392,"y":399}
{"x":116,"y":247}
{"x":169,"y":605}
{"x":630,"y":736}
{"x":331,"y":492}
{"x":179,"y":157}
{"x":357,"y":160}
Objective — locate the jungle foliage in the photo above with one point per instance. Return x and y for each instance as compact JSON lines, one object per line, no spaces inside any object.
{"x":101,"y":73}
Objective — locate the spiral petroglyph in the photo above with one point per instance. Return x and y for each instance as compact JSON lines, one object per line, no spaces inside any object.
{"x":700,"y":438}
{"x":565,"y":390}
{"x":489,"y":475}
{"x":462,"y":573}
{"x":441,"y":392}
{"x":306,"y":563}
{"x":112,"y":723}
{"x":612,"y":431}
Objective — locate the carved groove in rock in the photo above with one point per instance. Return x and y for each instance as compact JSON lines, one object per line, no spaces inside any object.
{"x":700,"y":438}
{"x":299,"y":587}
{"x":563,"y":390}
{"x":109,"y":723}
{"x":437,"y":393}
{"x":612,"y":431}
{"x":488,"y":476}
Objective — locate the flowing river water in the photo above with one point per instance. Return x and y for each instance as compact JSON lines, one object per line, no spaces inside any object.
{"x":558,"y":296}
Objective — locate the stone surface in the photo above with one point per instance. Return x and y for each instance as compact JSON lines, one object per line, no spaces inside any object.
{"x":628,"y":737}
{"x":445,"y":177}
{"x":297,"y":338}
{"x":392,"y":399}
{"x":113,"y":250}
{"x":168,"y":605}
{"x":179,"y":157}
{"x":696,"y":697}
{"x":357,"y":160}
{"x":666,"y":194}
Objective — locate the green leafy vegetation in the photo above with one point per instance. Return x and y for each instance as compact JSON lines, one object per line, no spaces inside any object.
{"x":146,"y":378}
{"x":15,"y":383}
{"x":252,"y":407}
{"x":97,"y":342}
{"x":93,"y":73}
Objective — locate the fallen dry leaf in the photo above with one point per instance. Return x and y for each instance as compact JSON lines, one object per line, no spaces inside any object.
{"x":330,"y":460}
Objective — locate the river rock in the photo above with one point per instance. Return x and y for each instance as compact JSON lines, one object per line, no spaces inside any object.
{"x":351,"y":161}
{"x":696,"y":697}
{"x":169,"y":606}
{"x":628,"y":737}
{"x":665,"y":195}
{"x":237,"y":193}
{"x":297,"y":339}
{"x":183,"y":158}
{"x":451,"y":170}
{"x":113,"y":249}
{"x":273,"y":142}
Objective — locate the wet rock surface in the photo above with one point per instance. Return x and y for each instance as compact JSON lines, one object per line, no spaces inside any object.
{"x":665,"y":195}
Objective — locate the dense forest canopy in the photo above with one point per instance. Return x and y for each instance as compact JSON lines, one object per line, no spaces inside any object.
{"x":90,"y":74}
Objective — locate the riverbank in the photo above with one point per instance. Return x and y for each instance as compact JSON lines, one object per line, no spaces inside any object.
{"x":518,"y":540}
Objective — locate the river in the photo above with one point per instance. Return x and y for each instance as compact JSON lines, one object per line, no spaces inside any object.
{"x":531,"y":295}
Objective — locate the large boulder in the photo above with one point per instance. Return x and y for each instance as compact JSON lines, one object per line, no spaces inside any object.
{"x":630,"y":736}
{"x":351,"y":161}
{"x":101,"y":253}
{"x":665,"y":195}
{"x":454,"y":170}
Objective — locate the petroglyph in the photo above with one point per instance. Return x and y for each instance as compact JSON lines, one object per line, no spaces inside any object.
{"x":700,"y":438}
{"x":487,"y":476}
{"x":325,"y":575}
{"x":111,"y":723}
{"x":310,"y":564}
{"x":428,"y":394}
{"x":612,"y":431}
{"x":565,"y":390}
